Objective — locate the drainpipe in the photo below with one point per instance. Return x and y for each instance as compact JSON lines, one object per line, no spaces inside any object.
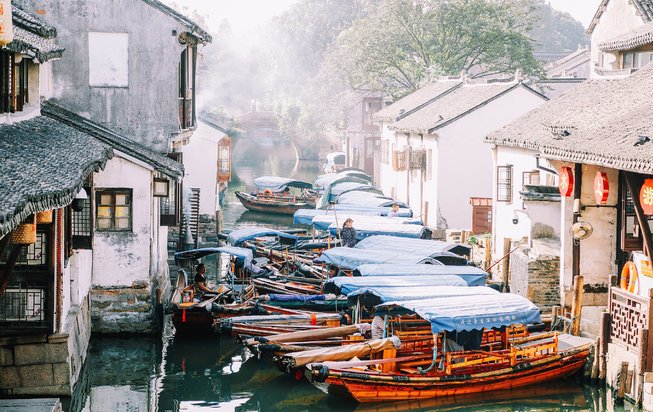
{"x":544,"y":168}
{"x":575,"y":251}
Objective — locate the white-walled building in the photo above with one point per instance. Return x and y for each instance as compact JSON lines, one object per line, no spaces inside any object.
{"x":433,"y":154}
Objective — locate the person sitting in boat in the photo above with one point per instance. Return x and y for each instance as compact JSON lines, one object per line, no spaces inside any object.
{"x":348,"y":233}
{"x":199,"y":286}
{"x":394,"y":210}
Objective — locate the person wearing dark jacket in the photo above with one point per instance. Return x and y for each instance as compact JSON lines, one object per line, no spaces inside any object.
{"x":348,"y":234}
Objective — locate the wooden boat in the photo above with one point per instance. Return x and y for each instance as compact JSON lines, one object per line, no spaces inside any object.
{"x":522,"y":362}
{"x":274,"y":195}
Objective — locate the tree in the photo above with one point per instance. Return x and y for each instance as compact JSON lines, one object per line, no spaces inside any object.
{"x":403,"y":43}
{"x":555,"y":31}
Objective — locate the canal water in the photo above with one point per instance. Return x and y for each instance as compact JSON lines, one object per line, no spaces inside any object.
{"x":218,"y":374}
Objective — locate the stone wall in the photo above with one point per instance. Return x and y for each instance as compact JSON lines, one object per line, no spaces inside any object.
{"x":122,"y":309}
{"x":537,"y":279}
{"x":46,"y":365}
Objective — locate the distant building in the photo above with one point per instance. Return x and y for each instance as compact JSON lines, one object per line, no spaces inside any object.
{"x":363,"y":135}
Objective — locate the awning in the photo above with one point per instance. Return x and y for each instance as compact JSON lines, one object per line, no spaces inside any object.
{"x":323,"y":221}
{"x":365,"y":229}
{"x":472,"y":275}
{"x":465,"y":313}
{"x":305,"y":216}
{"x":237,"y":237}
{"x":351,"y":258}
{"x":346,"y":284}
{"x":375,"y":295}
{"x":279,"y":184}
{"x":245,"y":254}
{"x":382,"y":242}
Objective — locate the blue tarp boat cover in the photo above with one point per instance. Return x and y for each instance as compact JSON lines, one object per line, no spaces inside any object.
{"x":343,"y":187}
{"x":351,"y":258}
{"x":408,"y":245}
{"x":346,"y":284}
{"x":322,"y":222}
{"x":365,"y":229}
{"x":275,"y":297}
{"x":323,"y":181}
{"x":374,"y":295}
{"x":279,"y":184}
{"x":362,"y":198}
{"x":326,"y":197}
{"x":465,"y":313}
{"x":472,"y":275}
{"x":305,"y":216}
{"x":237,"y":237}
{"x":244,"y":253}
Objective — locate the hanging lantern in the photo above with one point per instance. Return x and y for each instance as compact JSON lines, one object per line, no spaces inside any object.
{"x":601,"y":188}
{"x":646,"y":196}
{"x":44,"y":217}
{"x":566,"y":183}
{"x":6,"y":24}
{"x":25,"y":233}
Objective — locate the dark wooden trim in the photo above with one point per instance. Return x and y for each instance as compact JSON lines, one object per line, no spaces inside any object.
{"x":8,"y":270}
{"x":634,"y":183}
{"x":575,"y":250}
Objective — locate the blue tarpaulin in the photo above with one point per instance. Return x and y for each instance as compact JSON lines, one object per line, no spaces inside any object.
{"x":322,"y":222}
{"x":472,"y":275}
{"x":351,"y":258}
{"x":365,"y":229}
{"x":326,"y":180}
{"x":362,"y":198}
{"x":305,"y":216}
{"x":346,"y":284}
{"x":343,"y":187}
{"x":374,"y":295}
{"x":275,"y":297}
{"x":326,"y":197}
{"x":245,"y":254}
{"x":408,"y":245}
{"x":465,"y":313}
{"x":237,"y":237}
{"x":279,"y":184}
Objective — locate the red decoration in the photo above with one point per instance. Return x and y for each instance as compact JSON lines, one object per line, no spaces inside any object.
{"x":646,"y":196}
{"x":601,"y":188}
{"x":566,"y":183}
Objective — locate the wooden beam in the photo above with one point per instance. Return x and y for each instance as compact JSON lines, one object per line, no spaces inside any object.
{"x":505,"y":266}
{"x":577,"y":305}
{"x":634,"y":185}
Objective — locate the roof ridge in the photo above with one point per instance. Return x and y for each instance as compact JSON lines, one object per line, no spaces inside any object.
{"x":180,"y":17}
{"x":31,"y":23}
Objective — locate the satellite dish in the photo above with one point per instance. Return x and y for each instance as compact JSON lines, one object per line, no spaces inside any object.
{"x":581,"y":230}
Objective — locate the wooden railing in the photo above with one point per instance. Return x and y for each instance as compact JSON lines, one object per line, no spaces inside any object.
{"x":630,"y":317}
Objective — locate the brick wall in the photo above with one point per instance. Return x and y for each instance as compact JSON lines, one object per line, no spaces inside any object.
{"x":536,"y":279}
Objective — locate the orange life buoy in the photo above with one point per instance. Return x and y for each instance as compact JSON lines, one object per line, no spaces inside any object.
{"x":629,"y":278}
{"x":267,"y":192}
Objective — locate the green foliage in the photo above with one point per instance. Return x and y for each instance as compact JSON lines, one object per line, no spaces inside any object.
{"x":556,"y":31}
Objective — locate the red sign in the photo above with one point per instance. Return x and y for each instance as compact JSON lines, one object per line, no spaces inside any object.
{"x":646,"y":196}
{"x":566,"y":184}
{"x":601,"y":188}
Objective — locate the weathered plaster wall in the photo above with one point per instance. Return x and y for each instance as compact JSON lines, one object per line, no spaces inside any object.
{"x":201,"y":165}
{"x":465,"y":166}
{"x":619,"y":17}
{"x":145,"y":111}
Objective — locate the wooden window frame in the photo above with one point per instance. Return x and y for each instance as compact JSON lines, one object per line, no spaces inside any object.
{"x":527,"y":178}
{"x":186,"y":91}
{"x":113,"y":192}
{"x":504,"y":185}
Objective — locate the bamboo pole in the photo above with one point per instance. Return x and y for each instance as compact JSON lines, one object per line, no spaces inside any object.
{"x":604,"y":340}
{"x":505,"y":266}
{"x":577,"y":305}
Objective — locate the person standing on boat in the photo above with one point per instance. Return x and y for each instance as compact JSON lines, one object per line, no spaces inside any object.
{"x":348,"y":233}
{"x":394,"y":210}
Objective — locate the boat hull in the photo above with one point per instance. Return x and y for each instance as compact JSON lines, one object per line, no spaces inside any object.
{"x":363,"y":390}
{"x":272,"y":206}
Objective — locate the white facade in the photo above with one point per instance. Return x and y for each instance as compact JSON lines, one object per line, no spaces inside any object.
{"x":505,"y":213}
{"x":618,"y":17}
{"x":459,"y":164}
{"x":201,"y":165}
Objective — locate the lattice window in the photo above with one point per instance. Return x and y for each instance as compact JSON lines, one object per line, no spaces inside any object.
{"x":114,"y":209}
{"x":33,"y":255}
{"x":399,"y":161}
{"x":630,"y":314}
{"x":504,"y":184}
{"x":82,"y":226}
{"x":418,"y":159}
{"x":23,"y":306}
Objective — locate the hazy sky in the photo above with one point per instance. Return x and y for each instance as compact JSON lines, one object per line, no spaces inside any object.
{"x":246,"y":15}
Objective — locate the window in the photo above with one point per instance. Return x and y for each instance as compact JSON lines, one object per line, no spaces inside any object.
{"x":635,"y":60}
{"x":13,"y":83}
{"x":531,"y":178}
{"x":504,"y":184}
{"x":114,"y":209}
{"x":224,"y":160}
{"x":108,"y":59}
{"x":187,"y":87}
{"x":399,"y":159}
{"x":82,"y":225}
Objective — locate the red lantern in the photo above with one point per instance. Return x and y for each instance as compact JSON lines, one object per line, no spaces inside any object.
{"x":601,"y":188}
{"x":646,"y":196}
{"x":566,"y":183}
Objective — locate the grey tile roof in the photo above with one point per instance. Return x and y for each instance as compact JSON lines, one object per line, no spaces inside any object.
{"x":540,"y":193}
{"x":213,"y":121}
{"x":639,"y":37}
{"x":413,"y":101}
{"x":33,"y":37}
{"x":644,"y":9}
{"x":160,"y":162}
{"x":599,"y":122}
{"x":43,"y":163}
{"x":455,"y":104}
{"x":194,"y":28}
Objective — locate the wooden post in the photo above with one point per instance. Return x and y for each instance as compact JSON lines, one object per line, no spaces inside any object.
{"x":488,"y":251}
{"x":555,"y":312}
{"x":621,"y":389}
{"x":597,"y":360}
{"x":604,"y":340}
{"x":643,"y":356}
{"x":576,"y":305}
{"x":505,"y":265}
